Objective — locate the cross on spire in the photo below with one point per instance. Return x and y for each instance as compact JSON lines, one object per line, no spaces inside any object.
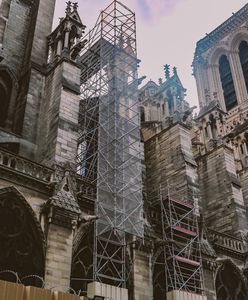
{"x":167,"y":71}
{"x":75,"y":6}
{"x":68,"y":7}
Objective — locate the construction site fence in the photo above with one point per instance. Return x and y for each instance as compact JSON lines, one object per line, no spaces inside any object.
{"x":15,"y":291}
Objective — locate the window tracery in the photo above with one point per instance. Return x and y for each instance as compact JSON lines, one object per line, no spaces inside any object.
{"x":82,"y":262}
{"x":21,"y":245}
{"x":227,"y":82}
{"x":229,"y":284}
{"x":5,"y":95}
{"x":159,"y":278}
{"x":243,"y":56}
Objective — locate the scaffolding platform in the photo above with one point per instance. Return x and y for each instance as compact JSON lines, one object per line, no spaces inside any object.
{"x":110,"y":151}
{"x":182,"y":257}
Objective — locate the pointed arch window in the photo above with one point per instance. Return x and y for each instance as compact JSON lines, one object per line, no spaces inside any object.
{"x":159,"y":277}
{"x":243,"y":56}
{"x":82,"y":262}
{"x":22,"y":243}
{"x":5,"y":94}
{"x":227,"y":82}
{"x":229,"y":284}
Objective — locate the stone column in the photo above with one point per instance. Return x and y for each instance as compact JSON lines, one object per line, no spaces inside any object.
{"x":202,"y":82}
{"x":58,"y":257}
{"x":217,"y":85}
{"x":238,"y":77}
{"x":174,"y":102}
{"x":209,"y":131}
{"x":209,"y":283}
{"x":167,"y":111}
{"x":142,"y":275}
{"x":59,"y":48}
{"x":66,"y":41}
{"x":62,"y":214}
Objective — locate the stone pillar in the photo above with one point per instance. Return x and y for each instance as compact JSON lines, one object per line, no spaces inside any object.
{"x":174,"y":102}
{"x":62,"y":214}
{"x":142,"y":275}
{"x":209,"y":131}
{"x":222,"y":199}
{"x":218,"y":86}
{"x":238,"y":77}
{"x":202,"y":82}
{"x":66,"y":41}
{"x":209,"y":279}
{"x":58,"y":257}
{"x":212,"y":88}
{"x":58,"y":126}
{"x":59,"y":48}
{"x":167,"y":111}
{"x":42,"y":30}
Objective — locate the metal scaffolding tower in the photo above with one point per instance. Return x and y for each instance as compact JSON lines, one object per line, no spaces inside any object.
{"x":183,"y":264}
{"x":110,"y":152}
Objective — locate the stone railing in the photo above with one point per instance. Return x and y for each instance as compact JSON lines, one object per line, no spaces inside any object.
{"x":228,"y":242}
{"x":24,"y":166}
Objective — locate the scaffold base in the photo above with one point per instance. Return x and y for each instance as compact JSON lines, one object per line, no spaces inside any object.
{"x":182,"y":295}
{"x":106,"y":291}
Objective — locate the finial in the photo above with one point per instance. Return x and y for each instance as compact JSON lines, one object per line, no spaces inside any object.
{"x":68,"y":7}
{"x":160,"y":81}
{"x":75,"y":6}
{"x":167,"y":71}
{"x":174,"y":70}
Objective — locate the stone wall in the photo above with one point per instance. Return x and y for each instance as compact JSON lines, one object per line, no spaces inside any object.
{"x":42,"y":30}
{"x":169,"y":160}
{"x":58,"y":121}
{"x":17,"y":43}
{"x":58,"y":257}
{"x":222,"y":199}
{"x":142,"y":275}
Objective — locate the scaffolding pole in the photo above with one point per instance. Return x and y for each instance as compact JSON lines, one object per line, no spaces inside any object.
{"x":110,"y":152}
{"x":180,"y":233}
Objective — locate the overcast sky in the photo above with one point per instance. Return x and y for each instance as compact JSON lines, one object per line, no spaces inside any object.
{"x":167,"y":31}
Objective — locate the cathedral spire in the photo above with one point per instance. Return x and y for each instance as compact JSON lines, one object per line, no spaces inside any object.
{"x":167,"y":71}
{"x":68,"y":8}
{"x":175,"y":70}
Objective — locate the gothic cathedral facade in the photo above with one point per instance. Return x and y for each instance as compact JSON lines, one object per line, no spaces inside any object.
{"x":47,"y":207}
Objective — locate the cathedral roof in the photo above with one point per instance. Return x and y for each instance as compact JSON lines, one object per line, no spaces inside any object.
{"x":208,"y":108}
{"x":149,"y":84}
{"x":173,"y":80}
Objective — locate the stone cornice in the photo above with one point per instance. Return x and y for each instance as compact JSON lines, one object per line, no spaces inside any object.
{"x":221,"y":31}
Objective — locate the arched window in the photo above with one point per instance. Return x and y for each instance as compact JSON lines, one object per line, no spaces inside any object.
{"x":229,"y":284}
{"x":5,"y":94}
{"x":213,"y":126}
{"x":227,"y":82}
{"x":22,"y":243}
{"x":159,"y":278}
{"x":82,"y":262}
{"x":170,"y":101}
{"x":243,"y":55}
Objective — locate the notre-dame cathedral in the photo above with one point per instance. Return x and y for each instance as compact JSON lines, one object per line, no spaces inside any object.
{"x":110,"y":190}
